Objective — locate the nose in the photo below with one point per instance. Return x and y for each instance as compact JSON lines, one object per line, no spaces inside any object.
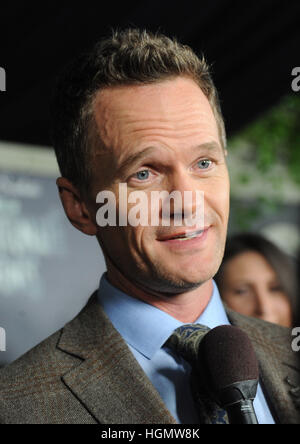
{"x":189,"y":198}
{"x":264,"y":305}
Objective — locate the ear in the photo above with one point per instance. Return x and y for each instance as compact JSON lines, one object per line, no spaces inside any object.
{"x":75,"y":208}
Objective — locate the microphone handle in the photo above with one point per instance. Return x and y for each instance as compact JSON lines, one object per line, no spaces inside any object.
{"x":241,"y":412}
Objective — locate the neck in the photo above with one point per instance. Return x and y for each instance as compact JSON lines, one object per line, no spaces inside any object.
{"x":185,"y":307}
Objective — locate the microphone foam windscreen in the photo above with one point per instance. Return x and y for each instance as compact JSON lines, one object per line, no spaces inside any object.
{"x":227,"y":356}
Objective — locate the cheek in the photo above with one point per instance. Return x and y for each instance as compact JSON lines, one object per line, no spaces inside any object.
{"x":139,"y":241}
{"x":216,"y":198}
{"x":283,"y":305}
{"x":284,"y":312}
{"x":243,"y":305}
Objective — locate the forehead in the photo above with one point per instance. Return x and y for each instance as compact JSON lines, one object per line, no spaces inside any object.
{"x":175,"y":107}
{"x":249,"y":263}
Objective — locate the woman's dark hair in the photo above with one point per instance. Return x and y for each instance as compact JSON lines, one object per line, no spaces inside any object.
{"x":283,"y":265}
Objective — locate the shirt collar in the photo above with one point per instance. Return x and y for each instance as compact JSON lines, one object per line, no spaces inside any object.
{"x":145,"y":327}
{"x":214,"y":313}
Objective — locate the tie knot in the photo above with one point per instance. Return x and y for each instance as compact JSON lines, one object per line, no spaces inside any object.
{"x":185,"y":340}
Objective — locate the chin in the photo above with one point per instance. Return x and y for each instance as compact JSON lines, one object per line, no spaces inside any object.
{"x":194,"y":274}
{"x":170,"y":281}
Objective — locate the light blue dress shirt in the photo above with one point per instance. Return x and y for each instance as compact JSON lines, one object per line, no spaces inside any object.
{"x":145,"y":329}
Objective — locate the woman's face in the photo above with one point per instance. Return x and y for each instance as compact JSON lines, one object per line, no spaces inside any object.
{"x":250,"y":286}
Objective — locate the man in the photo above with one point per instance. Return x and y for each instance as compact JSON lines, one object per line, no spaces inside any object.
{"x":141,"y":110}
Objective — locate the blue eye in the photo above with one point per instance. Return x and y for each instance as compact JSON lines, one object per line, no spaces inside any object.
{"x":142,"y":175}
{"x":203,"y":164}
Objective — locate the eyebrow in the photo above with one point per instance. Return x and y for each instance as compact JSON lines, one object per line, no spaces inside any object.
{"x":140,"y":155}
{"x":210,"y":146}
{"x":135,"y":158}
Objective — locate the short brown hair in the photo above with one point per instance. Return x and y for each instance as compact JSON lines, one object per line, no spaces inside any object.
{"x":131,"y":56}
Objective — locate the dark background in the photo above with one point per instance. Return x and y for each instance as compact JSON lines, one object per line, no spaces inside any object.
{"x":252,"y":45}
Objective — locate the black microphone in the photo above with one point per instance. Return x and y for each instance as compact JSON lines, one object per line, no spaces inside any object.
{"x":229,"y":365}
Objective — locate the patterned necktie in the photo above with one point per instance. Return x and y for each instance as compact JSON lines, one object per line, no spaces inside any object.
{"x":185,"y":341}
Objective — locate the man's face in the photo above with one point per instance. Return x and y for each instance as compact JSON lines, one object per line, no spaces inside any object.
{"x":162,"y":137}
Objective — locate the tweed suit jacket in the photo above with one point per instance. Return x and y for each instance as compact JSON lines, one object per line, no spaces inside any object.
{"x":86,"y":374}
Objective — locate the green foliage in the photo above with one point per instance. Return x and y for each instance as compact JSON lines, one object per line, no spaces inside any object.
{"x":244,"y":215}
{"x":272,"y":139}
{"x":275,"y":137}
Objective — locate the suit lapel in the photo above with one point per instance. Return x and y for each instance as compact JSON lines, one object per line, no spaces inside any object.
{"x":279,"y":366}
{"x":109,"y":382}
{"x":112,"y":386}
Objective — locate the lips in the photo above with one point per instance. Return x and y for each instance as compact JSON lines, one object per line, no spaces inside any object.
{"x":183,"y":235}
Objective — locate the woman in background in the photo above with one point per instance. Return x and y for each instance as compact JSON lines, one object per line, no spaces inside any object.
{"x":257,"y":279}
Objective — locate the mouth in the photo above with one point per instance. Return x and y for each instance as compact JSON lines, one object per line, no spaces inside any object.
{"x":184,"y":236}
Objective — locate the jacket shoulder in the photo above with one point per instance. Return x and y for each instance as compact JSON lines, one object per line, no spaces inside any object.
{"x":261,"y":331}
{"x":43,"y":361}
{"x":35,"y":362}
{"x":31,"y":389}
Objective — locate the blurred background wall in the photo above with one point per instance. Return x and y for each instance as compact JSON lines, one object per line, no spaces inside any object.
{"x":47,"y":268}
